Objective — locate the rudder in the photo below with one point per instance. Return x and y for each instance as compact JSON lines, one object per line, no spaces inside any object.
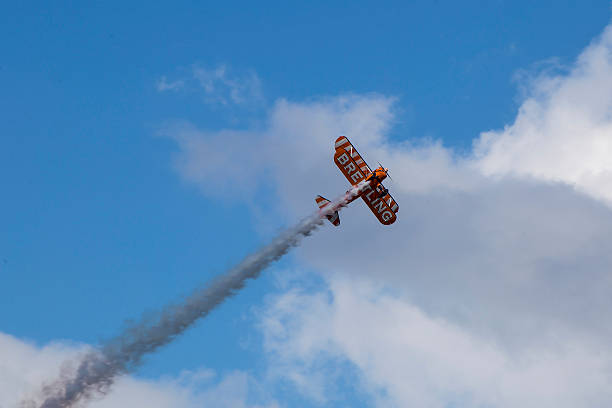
{"x":333,"y":218}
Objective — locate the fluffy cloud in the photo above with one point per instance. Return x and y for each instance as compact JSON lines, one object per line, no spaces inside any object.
{"x":409,"y":358}
{"x":562,"y":131}
{"x":292,"y":153}
{"x":24,"y":367}
{"x":493,"y":286}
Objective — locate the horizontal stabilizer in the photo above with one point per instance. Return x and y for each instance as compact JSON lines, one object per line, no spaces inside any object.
{"x":334,"y":218}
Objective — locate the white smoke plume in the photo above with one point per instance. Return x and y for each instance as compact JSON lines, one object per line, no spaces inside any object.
{"x":99,"y":368}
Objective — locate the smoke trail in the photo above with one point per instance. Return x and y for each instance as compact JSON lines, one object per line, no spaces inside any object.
{"x":98,"y":369}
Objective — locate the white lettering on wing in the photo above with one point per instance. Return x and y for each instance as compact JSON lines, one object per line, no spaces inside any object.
{"x":343,"y":158}
{"x":380,"y":207}
{"x":350,"y":168}
{"x":386,"y":216}
{"x":369,"y":194}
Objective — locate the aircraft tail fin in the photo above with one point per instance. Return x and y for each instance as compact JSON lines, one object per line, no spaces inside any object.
{"x":333,"y":218}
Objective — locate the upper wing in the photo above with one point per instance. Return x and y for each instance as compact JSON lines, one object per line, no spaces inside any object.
{"x":343,"y":144}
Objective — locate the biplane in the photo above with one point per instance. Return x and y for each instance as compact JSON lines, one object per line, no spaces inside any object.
{"x":371,"y":189}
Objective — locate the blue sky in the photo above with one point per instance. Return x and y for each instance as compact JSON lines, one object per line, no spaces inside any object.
{"x":99,"y":226}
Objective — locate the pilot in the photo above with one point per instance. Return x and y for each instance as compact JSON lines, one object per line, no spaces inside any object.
{"x":375,"y":174}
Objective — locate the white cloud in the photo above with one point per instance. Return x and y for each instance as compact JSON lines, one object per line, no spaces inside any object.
{"x":164,"y":85}
{"x":221,"y":86}
{"x":293,"y":152}
{"x":496,"y":277}
{"x":224,"y":87}
{"x":24,"y":368}
{"x":408,"y":358}
{"x":563,"y":131}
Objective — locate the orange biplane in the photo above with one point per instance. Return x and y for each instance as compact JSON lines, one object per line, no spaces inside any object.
{"x":356,"y":171}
